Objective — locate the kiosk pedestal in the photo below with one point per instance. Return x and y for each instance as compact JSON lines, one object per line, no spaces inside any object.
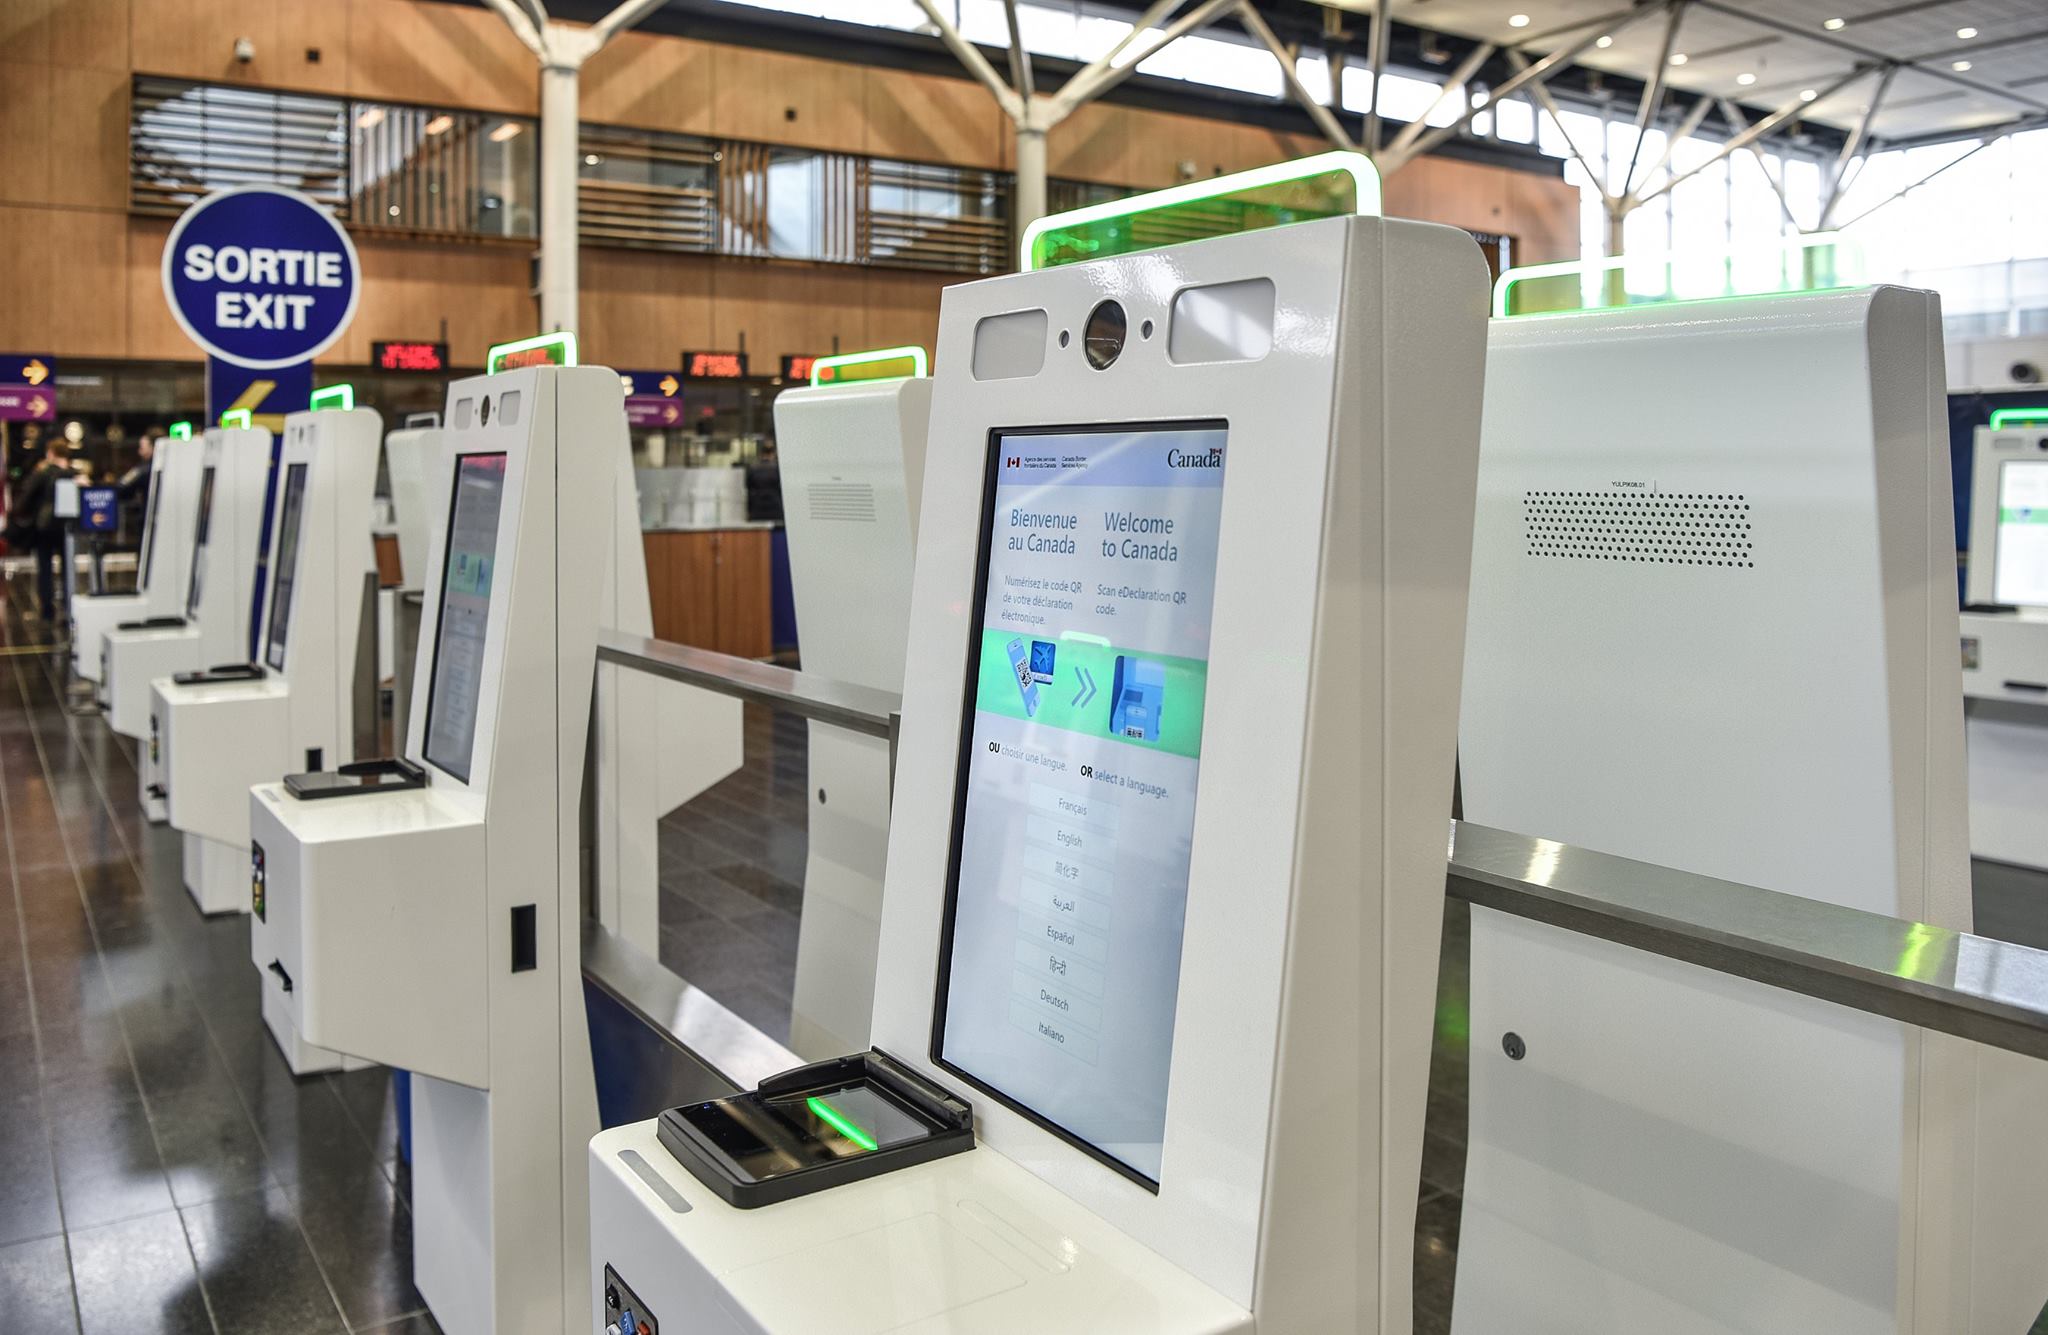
{"x":1230,"y":482}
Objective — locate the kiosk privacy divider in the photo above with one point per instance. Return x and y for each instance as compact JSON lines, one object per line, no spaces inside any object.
{"x":2005,"y":643}
{"x":852,"y":458}
{"x":212,"y":625}
{"x":1163,"y":905}
{"x":161,"y":564}
{"x":1712,"y":628}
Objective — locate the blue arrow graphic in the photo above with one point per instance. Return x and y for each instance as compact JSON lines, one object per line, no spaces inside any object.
{"x":1087,"y":688}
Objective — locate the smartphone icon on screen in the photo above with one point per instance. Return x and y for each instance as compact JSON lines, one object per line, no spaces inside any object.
{"x":1020,"y":668}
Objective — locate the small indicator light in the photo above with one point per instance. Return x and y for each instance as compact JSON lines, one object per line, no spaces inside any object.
{"x":235,"y":417}
{"x":181,"y":431}
{"x":904,"y":363}
{"x":341,"y":397}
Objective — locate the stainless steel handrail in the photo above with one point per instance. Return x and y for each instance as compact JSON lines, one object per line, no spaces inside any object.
{"x":739,"y":1053}
{"x":861,"y":709}
{"x":1989,"y":991}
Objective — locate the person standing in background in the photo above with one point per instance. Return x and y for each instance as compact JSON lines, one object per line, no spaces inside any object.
{"x":34,"y":519}
{"x":133,"y":489}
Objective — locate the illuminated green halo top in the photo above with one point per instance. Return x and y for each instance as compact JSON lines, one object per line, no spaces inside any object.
{"x":1811,"y":263}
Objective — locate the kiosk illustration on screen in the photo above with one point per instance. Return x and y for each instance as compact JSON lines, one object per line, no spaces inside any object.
{"x":1136,"y":693}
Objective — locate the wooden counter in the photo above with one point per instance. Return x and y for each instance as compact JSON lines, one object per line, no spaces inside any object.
{"x":711,"y":589}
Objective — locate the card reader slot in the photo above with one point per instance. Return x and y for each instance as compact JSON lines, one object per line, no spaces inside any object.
{"x":2030,"y":687}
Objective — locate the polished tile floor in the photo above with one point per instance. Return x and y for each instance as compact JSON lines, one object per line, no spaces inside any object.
{"x":160,"y":1168}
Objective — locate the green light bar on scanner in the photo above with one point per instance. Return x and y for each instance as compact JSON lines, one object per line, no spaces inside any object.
{"x":181,"y":431}
{"x":905,"y":363}
{"x":334,"y":396}
{"x":837,"y":1120}
{"x":2002,"y":418}
{"x":556,"y":349}
{"x":234,"y":417}
{"x":1812,"y":263}
{"x":1328,"y":185}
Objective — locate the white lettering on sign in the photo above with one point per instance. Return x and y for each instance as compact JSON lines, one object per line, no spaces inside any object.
{"x":261,"y":264}
{"x":256,"y":310}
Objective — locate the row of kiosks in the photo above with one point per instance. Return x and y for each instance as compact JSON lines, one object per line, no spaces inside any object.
{"x":212,"y":624}
{"x":2005,"y":639}
{"x":1164,"y":885}
{"x":455,"y":866}
{"x":1712,"y":628}
{"x":161,"y":561}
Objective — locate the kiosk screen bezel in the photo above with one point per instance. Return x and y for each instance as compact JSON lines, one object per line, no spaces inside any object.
{"x":289,"y":521}
{"x":991,"y":470}
{"x":447,"y":765}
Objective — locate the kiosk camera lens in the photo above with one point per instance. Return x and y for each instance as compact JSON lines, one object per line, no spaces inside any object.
{"x":1103,"y":336}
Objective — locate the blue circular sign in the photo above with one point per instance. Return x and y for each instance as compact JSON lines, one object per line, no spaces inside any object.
{"x":261,"y":276}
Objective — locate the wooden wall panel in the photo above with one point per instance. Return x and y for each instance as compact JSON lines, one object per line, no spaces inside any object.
{"x":1093,"y":144}
{"x":1543,"y":216}
{"x":784,"y":99}
{"x":27,"y":277}
{"x":75,"y":308}
{"x":89,"y":137}
{"x":409,"y":287}
{"x":195,"y":39}
{"x":923,"y":118}
{"x":451,"y":55}
{"x":152,"y":333}
{"x":90,"y":33}
{"x":641,"y":309}
{"x":656,"y":83}
{"x":24,"y":133}
{"x":787,"y":308}
{"x":903,"y":307}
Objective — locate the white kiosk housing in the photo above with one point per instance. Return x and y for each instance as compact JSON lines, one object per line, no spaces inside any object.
{"x":852,"y":460}
{"x":2005,"y":651}
{"x":218,"y":732}
{"x":160,"y":565}
{"x":1165,"y":907}
{"x":219,"y":589}
{"x":1712,"y":628}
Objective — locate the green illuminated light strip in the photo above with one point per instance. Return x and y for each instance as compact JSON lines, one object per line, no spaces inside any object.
{"x":334,"y":396}
{"x":557,"y":349}
{"x":837,"y":1120}
{"x":2005,"y":417}
{"x":1820,"y":261}
{"x":1325,"y":185}
{"x":181,"y":431}
{"x":882,"y":364}
{"x":237,"y":417}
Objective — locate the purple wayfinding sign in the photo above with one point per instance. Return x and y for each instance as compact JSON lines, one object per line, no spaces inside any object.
{"x":28,"y":387}
{"x":653,"y":398}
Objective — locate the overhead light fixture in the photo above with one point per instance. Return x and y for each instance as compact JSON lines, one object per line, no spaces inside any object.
{"x":1518,"y":20}
{"x":1808,"y":94}
{"x":509,"y":130}
{"x":1835,"y":25}
{"x":440,"y":124}
{"x":1604,"y":43}
{"x":1679,"y":58}
{"x":1745,"y":78}
{"x":370,"y":119}
{"x":1966,"y":33}
{"x":1960,"y":66}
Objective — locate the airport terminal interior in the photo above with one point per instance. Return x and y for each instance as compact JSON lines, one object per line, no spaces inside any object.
{"x":978,"y":667}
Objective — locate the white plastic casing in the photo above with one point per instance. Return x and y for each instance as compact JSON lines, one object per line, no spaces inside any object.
{"x":1713,"y":627}
{"x":167,"y":541}
{"x":1300,"y":1053}
{"x":852,"y":463}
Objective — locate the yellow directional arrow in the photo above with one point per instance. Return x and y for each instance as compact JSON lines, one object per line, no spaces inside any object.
{"x":251,"y":398}
{"x":35,"y":372}
{"x":669,"y":385}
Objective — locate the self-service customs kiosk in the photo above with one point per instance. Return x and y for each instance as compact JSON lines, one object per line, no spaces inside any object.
{"x":220,"y":730}
{"x":219,"y":587}
{"x":2005,"y":640}
{"x":1713,"y":628}
{"x":1164,"y":907}
{"x":166,"y":551}
{"x":851,"y":448}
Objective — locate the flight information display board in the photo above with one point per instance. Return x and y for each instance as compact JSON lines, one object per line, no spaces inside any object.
{"x":1076,"y":816}
{"x":2019,"y":573}
{"x":455,"y":691}
{"x":287,"y":566}
{"x":204,"y":527}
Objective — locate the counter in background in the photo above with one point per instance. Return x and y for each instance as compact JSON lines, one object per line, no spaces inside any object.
{"x":711,"y":586}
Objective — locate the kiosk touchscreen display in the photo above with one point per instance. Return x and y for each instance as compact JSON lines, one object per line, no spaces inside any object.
{"x":287,"y":566}
{"x":149,"y":511}
{"x":199,"y":544}
{"x":453,"y":696}
{"x":1088,"y":674}
{"x":2019,"y":574}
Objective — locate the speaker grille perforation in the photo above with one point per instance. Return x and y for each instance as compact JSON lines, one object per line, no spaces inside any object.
{"x":844,"y":502}
{"x":1686,"y":528}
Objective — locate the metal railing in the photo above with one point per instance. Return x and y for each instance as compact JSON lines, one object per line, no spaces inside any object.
{"x":1973,"y":987}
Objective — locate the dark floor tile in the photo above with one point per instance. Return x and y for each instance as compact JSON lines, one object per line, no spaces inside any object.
{"x":108,"y":1168}
{"x":259,"y":1274}
{"x":35,"y":1287}
{"x":776,"y":927}
{"x":28,"y":1178}
{"x":1443,"y":1163}
{"x":361,"y":1234}
{"x":303,"y":1125}
{"x":367,"y":1095}
{"x":419,"y":1323}
{"x":712,"y":893}
{"x":719,"y":957}
{"x":137,"y":1276}
{"x":765,"y":886}
{"x":208,"y":1146}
